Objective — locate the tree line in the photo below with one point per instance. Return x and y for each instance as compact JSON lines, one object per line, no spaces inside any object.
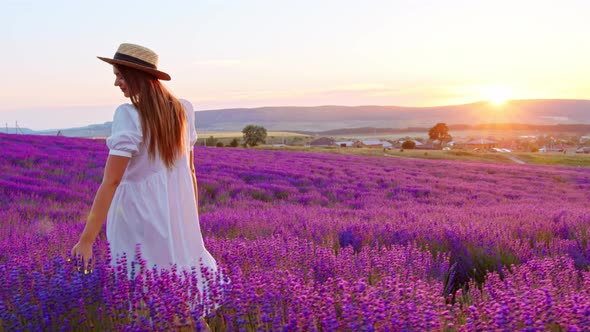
{"x":252,"y":135}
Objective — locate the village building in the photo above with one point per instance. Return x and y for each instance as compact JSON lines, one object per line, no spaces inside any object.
{"x":375,"y":144}
{"x":479,"y":143}
{"x":345,"y":144}
{"x":387,"y":145}
{"x":554,"y":148}
{"x":323,"y":142}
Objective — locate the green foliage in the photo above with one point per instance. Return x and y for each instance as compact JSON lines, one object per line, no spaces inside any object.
{"x":261,"y":196}
{"x":254,"y":135}
{"x":219,"y":144}
{"x":460,"y":153}
{"x":234,"y":143}
{"x":211,"y":141}
{"x":408,"y":144}
{"x":472,"y":262}
{"x":582,"y":160}
{"x":209,"y":190}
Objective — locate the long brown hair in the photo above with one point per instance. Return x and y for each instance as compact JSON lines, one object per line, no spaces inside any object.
{"x":162,"y":116}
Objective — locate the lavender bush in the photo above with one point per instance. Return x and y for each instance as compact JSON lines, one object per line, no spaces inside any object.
{"x":309,"y":242}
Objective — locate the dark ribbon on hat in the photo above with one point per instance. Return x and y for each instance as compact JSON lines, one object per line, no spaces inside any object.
{"x":129,"y":58}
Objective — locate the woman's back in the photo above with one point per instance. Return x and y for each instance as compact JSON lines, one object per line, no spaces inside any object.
{"x":126,"y":140}
{"x":154,"y":205}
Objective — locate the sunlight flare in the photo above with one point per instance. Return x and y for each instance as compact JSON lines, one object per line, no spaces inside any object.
{"x":496,"y":95}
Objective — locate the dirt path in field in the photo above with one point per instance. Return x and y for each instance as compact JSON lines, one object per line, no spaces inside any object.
{"x":513,"y":158}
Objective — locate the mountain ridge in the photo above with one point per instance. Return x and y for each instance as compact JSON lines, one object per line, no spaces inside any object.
{"x":320,"y":118}
{"x":324,"y":118}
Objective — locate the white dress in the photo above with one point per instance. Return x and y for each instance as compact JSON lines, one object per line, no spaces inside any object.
{"x":153,"y":206}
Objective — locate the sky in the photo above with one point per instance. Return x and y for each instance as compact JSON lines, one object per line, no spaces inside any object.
{"x":226,"y":54}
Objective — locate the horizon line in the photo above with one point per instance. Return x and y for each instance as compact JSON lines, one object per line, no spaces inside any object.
{"x":377,"y":105}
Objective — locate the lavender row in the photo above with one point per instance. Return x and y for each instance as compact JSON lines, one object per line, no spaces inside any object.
{"x":271,"y":284}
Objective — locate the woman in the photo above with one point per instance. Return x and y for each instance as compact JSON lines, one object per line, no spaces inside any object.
{"x":148,"y":194}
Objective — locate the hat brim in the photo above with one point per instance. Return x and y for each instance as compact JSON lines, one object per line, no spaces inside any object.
{"x":158,"y":74}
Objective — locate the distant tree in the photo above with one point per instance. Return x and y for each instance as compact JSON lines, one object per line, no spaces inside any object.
{"x":211,"y":141}
{"x":234,"y":143}
{"x":219,"y":144}
{"x":532,"y":147}
{"x":440,"y":132}
{"x":254,"y":135}
{"x":409,"y":144}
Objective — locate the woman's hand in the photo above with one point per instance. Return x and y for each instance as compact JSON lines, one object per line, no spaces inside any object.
{"x":83,"y":250}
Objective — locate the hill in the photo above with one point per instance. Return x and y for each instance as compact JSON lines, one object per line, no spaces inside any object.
{"x":537,"y":112}
{"x":323,"y":118}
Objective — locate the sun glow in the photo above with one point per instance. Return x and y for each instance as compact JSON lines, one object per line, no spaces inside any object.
{"x":496,"y":95}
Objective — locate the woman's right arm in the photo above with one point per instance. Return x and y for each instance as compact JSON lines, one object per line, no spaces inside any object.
{"x":113,"y":173}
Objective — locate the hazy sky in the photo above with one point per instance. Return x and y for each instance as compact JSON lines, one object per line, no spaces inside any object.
{"x":251,"y":53}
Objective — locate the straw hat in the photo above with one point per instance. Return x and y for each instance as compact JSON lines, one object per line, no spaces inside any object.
{"x":138,"y":57}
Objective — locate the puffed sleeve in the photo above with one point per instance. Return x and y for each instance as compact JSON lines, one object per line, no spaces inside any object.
{"x":190,"y":116}
{"x":126,"y":133}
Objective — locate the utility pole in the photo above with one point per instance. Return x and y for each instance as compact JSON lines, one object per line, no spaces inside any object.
{"x":17,"y":129}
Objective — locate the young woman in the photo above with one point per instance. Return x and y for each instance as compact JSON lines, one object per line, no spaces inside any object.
{"x":148,"y":194}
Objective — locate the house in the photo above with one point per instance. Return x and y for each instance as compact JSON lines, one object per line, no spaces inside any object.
{"x":323,"y":141}
{"x":479,"y":143}
{"x":375,"y":144}
{"x":553,"y":148}
{"x":529,"y":138}
{"x":345,"y":144}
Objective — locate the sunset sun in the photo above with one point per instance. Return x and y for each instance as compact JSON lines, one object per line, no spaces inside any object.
{"x":496,"y":95}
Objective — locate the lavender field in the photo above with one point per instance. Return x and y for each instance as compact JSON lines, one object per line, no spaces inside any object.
{"x":307,"y":242}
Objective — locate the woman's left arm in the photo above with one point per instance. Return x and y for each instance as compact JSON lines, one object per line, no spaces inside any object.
{"x":194,"y":177}
{"x":113,"y":173}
